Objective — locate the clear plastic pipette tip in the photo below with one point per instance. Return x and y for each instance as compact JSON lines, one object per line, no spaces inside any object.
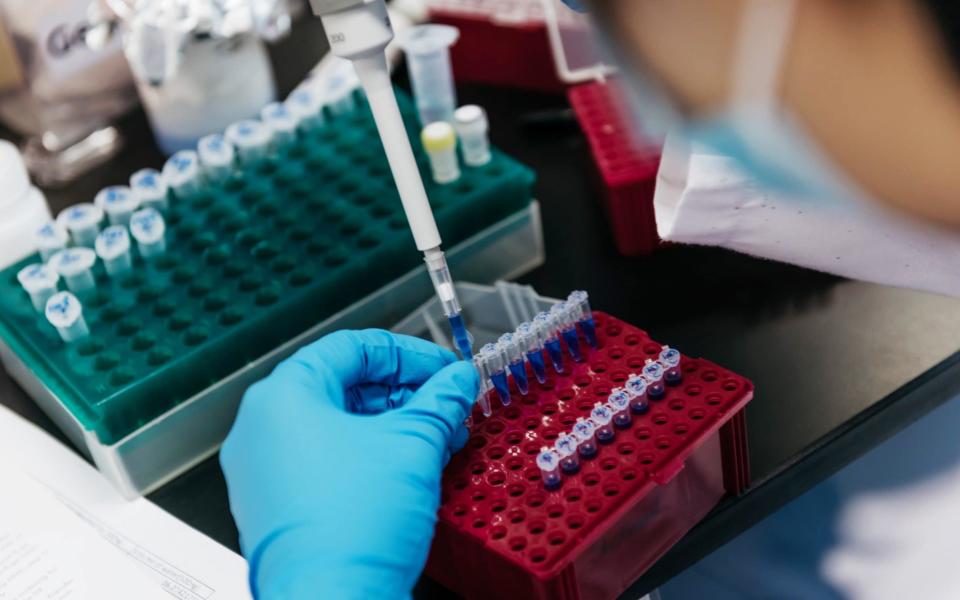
{"x":447,"y":295}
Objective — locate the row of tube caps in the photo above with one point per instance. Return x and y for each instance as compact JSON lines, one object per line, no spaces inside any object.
{"x":606,"y":417}
{"x":528,"y":342}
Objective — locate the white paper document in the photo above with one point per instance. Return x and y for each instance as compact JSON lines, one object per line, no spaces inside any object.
{"x":65,"y":534}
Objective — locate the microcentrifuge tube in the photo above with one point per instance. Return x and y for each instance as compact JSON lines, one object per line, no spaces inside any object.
{"x":427,"y":48}
{"x":510,"y":345}
{"x":50,"y":238}
{"x":82,"y":221}
{"x":440,"y":142}
{"x":586,"y":434}
{"x":216,"y":155}
{"x":75,"y":266}
{"x":118,"y":202}
{"x":670,"y":359}
{"x":619,"y":403}
{"x":471,"y":124}
{"x":150,"y":188}
{"x":653,"y":373}
{"x":496,"y":367}
{"x":531,"y":344}
{"x":113,"y":248}
{"x":65,"y":312}
{"x":566,"y":447}
{"x":40,"y":282}
{"x":250,"y":138}
{"x":148,"y":228}
{"x":602,"y":415}
{"x":307,"y":106}
{"x":182,"y":173}
{"x":281,"y":122}
{"x":338,"y":94}
{"x":580,"y":299}
{"x":564,"y":316}
{"x":636,"y":387}
{"x":549,"y":463}
{"x":483,"y":398}
{"x":551,"y":340}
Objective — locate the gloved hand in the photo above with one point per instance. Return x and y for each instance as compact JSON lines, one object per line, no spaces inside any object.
{"x":333,"y":464}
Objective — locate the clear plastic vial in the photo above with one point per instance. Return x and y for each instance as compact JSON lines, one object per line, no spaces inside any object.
{"x":471,"y":124}
{"x":551,"y":339}
{"x":307,"y":106}
{"x":40,"y":283}
{"x":653,"y":373}
{"x":566,"y":447}
{"x":636,"y":387}
{"x":440,"y":142}
{"x":670,"y":359}
{"x":496,"y":367}
{"x":216,"y":156}
{"x":82,"y":221}
{"x":50,"y":238}
{"x":619,"y":403}
{"x":65,"y":312}
{"x":75,"y":266}
{"x":150,"y":189}
{"x":148,"y":228}
{"x":586,"y":434}
{"x":250,"y":138}
{"x":182,"y":173}
{"x":565,"y":315}
{"x":482,"y":395}
{"x":549,"y":463}
{"x":118,"y":202}
{"x":509,"y":344}
{"x":532,"y":346}
{"x":581,"y":301}
{"x":280,"y":121}
{"x":113,"y":248}
{"x":427,"y":48}
{"x":602,"y":417}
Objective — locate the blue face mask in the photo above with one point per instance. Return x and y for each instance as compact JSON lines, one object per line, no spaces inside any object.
{"x":755,"y":129}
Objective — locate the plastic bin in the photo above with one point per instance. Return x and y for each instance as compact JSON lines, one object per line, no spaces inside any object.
{"x":314,"y":235}
{"x":626,"y":169}
{"x":502,"y":535}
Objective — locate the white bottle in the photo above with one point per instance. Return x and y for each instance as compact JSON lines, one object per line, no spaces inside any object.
{"x":23,"y":208}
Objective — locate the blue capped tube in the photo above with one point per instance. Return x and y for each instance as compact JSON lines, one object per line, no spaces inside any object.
{"x":619,"y":403}
{"x":567,"y":325}
{"x":497,"y":368}
{"x":653,"y":373}
{"x":586,"y":434}
{"x":509,"y":344}
{"x":636,"y":387}
{"x":602,"y":417}
{"x":217,"y":156}
{"x":307,"y":106}
{"x":82,"y":221}
{"x":482,"y":395}
{"x":551,"y":339}
{"x":75,"y":266}
{"x":65,"y":313}
{"x":50,"y":238}
{"x":113,"y":248}
{"x":581,"y":306}
{"x":281,"y":122}
{"x":150,"y":188}
{"x":148,"y":228}
{"x":119,"y":202}
{"x":566,"y":446}
{"x":549,"y":463}
{"x":531,"y":343}
{"x":670,"y":359}
{"x":182,"y":173}
{"x":40,"y":283}
{"x":250,"y":138}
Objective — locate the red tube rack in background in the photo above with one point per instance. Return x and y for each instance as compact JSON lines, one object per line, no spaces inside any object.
{"x":626,"y":167}
{"x":502,"y":42}
{"x":502,"y":535}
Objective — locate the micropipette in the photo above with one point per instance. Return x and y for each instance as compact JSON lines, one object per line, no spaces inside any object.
{"x":359,"y":30}
{"x":510,"y":346}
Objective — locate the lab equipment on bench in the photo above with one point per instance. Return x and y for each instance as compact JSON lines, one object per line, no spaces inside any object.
{"x":50,"y":238}
{"x":427,"y":48}
{"x":65,"y":313}
{"x":113,"y":248}
{"x":440,"y":142}
{"x":82,"y":221}
{"x":40,"y":282}
{"x":471,"y":124}
{"x":150,"y":189}
{"x":610,"y":517}
{"x":240,"y":270}
{"x":75,"y":266}
{"x":118,"y":202}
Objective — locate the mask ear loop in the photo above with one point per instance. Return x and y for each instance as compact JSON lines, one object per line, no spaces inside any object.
{"x":761,"y":49}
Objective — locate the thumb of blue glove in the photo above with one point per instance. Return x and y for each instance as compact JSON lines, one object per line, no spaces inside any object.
{"x":334,"y":463}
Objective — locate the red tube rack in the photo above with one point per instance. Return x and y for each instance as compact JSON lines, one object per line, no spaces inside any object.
{"x":626,"y":167}
{"x":502,"y":535}
{"x":502,"y":42}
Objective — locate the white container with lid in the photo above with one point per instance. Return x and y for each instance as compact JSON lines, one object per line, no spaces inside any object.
{"x":23,"y":208}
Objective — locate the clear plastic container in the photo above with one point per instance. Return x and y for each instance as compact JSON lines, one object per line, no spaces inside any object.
{"x":172,"y":443}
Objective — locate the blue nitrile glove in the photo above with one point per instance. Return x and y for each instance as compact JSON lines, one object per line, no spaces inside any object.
{"x":333,"y":464}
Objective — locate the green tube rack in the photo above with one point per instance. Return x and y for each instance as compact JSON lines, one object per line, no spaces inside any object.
{"x":251,"y":263}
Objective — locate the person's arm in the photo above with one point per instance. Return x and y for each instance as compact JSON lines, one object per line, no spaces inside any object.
{"x":333,"y":464}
